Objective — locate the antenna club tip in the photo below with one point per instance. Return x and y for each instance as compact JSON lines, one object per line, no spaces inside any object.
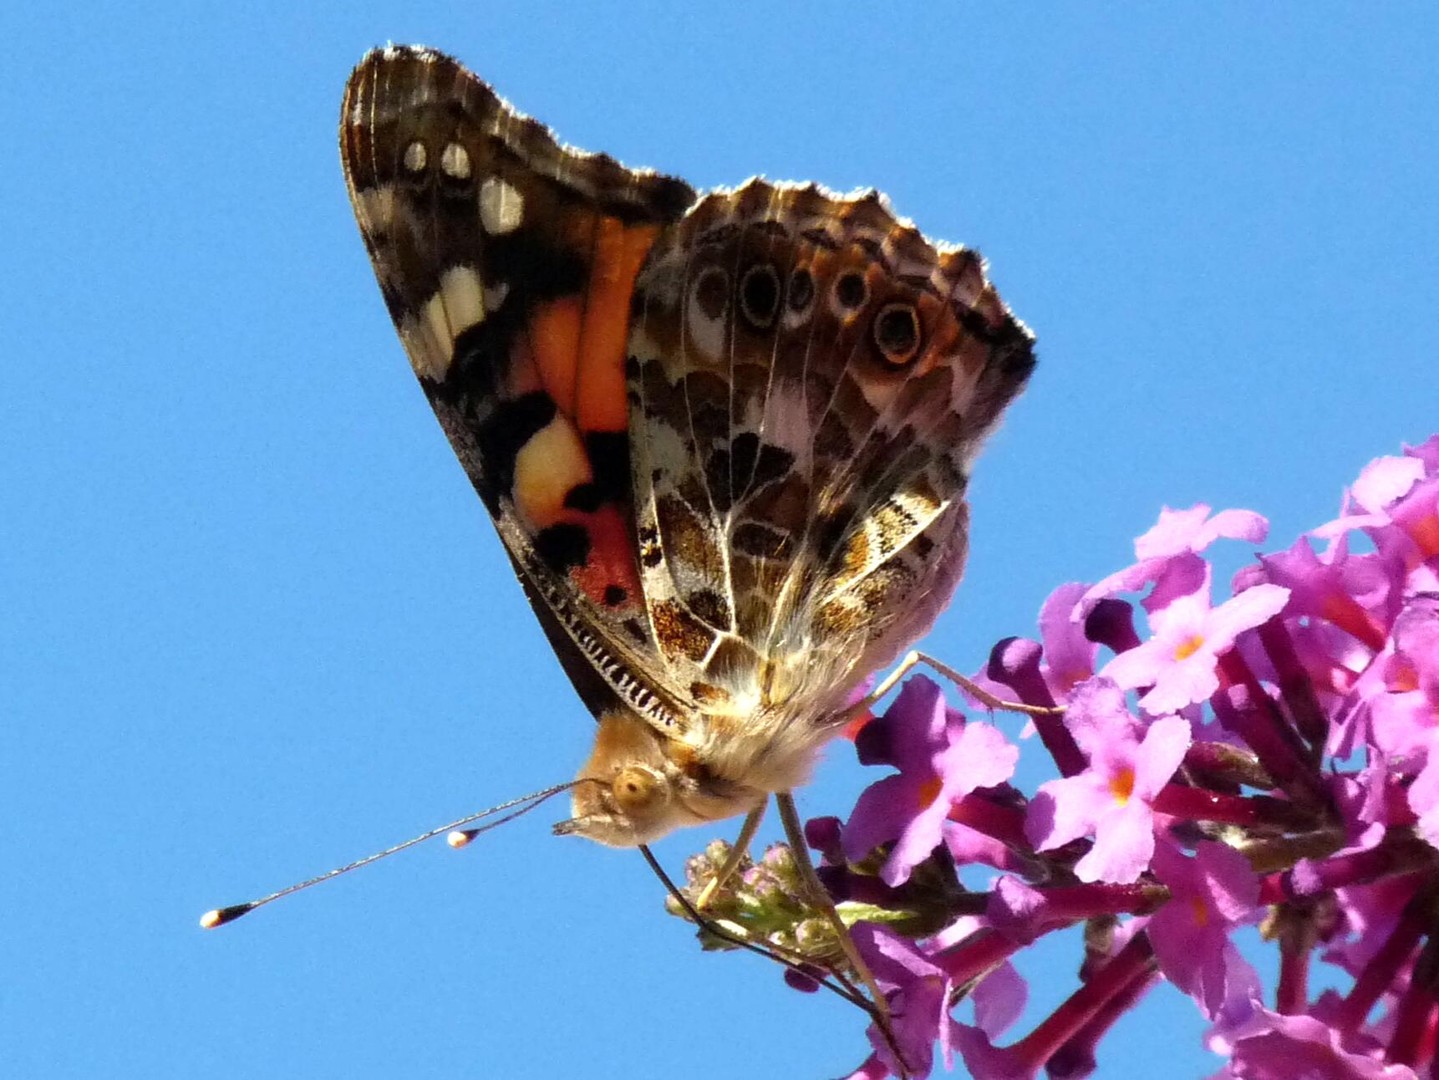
{"x":220,"y":916}
{"x":459,"y":838}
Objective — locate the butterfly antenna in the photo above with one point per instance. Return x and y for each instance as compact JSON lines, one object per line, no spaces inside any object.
{"x":458,"y":838}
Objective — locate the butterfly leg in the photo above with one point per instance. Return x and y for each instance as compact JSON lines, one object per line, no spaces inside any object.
{"x":968,"y":685}
{"x":736,"y":856}
{"x":740,"y":938}
{"x":799,"y":847}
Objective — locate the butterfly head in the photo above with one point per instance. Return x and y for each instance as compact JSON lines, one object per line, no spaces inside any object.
{"x":639,"y":786}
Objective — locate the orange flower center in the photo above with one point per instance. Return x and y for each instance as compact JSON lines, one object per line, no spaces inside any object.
{"x":1121,"y":785}
{"x":1402,"y":676}
{"x":1425,"y":533}
{"x":929,"y":791}
{"x":1200,"y":910}
{"x":1188,"y":647}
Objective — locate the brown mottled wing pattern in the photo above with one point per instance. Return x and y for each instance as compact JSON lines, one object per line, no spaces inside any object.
{"x":726,"y":443}
{"x":507,"y":263}
{"x":809,"y":381}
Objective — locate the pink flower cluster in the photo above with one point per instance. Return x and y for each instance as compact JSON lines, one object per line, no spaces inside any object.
{"x":1270,"y":760}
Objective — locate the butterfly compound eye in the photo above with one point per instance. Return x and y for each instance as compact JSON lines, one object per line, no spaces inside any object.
{"x":896,"y":334}
{"x":636,"y":789}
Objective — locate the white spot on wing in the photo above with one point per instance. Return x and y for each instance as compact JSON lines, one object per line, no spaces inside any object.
{"x":457,"y":305}
{"x":706,"y":333}
{"x":415,"y":157}
{"x":463,"y":296}
{"x":786,"y":423}
{"x":502,"y":208}
{"x":376,"y":205}
{"x":551,"y":462}
{"x":455,"y":161}
{"x":429,"y":354}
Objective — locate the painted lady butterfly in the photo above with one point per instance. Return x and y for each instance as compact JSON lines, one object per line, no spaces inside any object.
{"x":725,"y":438}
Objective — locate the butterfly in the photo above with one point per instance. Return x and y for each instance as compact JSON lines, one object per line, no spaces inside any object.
{"x":724,"y":438}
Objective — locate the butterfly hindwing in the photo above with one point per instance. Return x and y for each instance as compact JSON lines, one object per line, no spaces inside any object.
{"x":810,"y":379}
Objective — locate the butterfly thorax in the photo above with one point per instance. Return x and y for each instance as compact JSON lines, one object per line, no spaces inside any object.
{"x":638,"y":785}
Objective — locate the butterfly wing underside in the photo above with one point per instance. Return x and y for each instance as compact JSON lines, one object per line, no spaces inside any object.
{"x":726,"y":442}
{"x":507,"y":264}
{"x":830,"y":375}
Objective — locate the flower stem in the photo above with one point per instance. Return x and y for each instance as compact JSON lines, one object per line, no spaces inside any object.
{"x":1297,"y":937}
{"x":1134,"y":962}
{"x":1245,"y":709}
{"x":1003,"y":823}
{"x":1196,"y":804}
{"x":1383,"y":967}
{"x":1077,"y":1056}
{"x":1402,"y":855}
{"x":1295,"y":685}
{"x":976,"y":955}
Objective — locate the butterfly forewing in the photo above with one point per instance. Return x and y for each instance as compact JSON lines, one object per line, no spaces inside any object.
{"x":506,"y":263}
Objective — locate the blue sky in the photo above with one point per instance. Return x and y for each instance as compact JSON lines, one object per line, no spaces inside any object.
{"x":255,"y":623}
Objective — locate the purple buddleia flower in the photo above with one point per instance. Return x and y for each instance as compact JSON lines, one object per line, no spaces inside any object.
{"x":1111,"y":800}
{"x":1179,"y":664}
{"x":1068,"y":654}
{"x":1428,"y":453}
{"x":1212,"y":893}
{"x":873,"y":1068}
{"x":999,"y":999}
{"x":918,"y":993}
{"x":1403,"y":693}
{"x":985,"y":1061}
{"x":1354,"y":592}
{"x":1017,"y":909}
{"x":1403,"y":705}
{"x":1064,"y":656}
{"x":1396,"y":502}
{"x":1347,"y":601}
{"x":1300,"y":1047}
{"x":1424,"y":800}
{"x":940,"y":758}
{"x":1271,"y":759}
{"x":1384,"y":481}
{"x":1168,"y":554}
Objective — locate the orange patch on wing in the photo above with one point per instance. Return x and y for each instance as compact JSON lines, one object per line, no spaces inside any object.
{"x":612,"y":557}
{"x":555,"y":331}
{"x":575,"y":352}
{"x":619,"y":252}
{"x":522,"y":377}
{"x":938,"y":331}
